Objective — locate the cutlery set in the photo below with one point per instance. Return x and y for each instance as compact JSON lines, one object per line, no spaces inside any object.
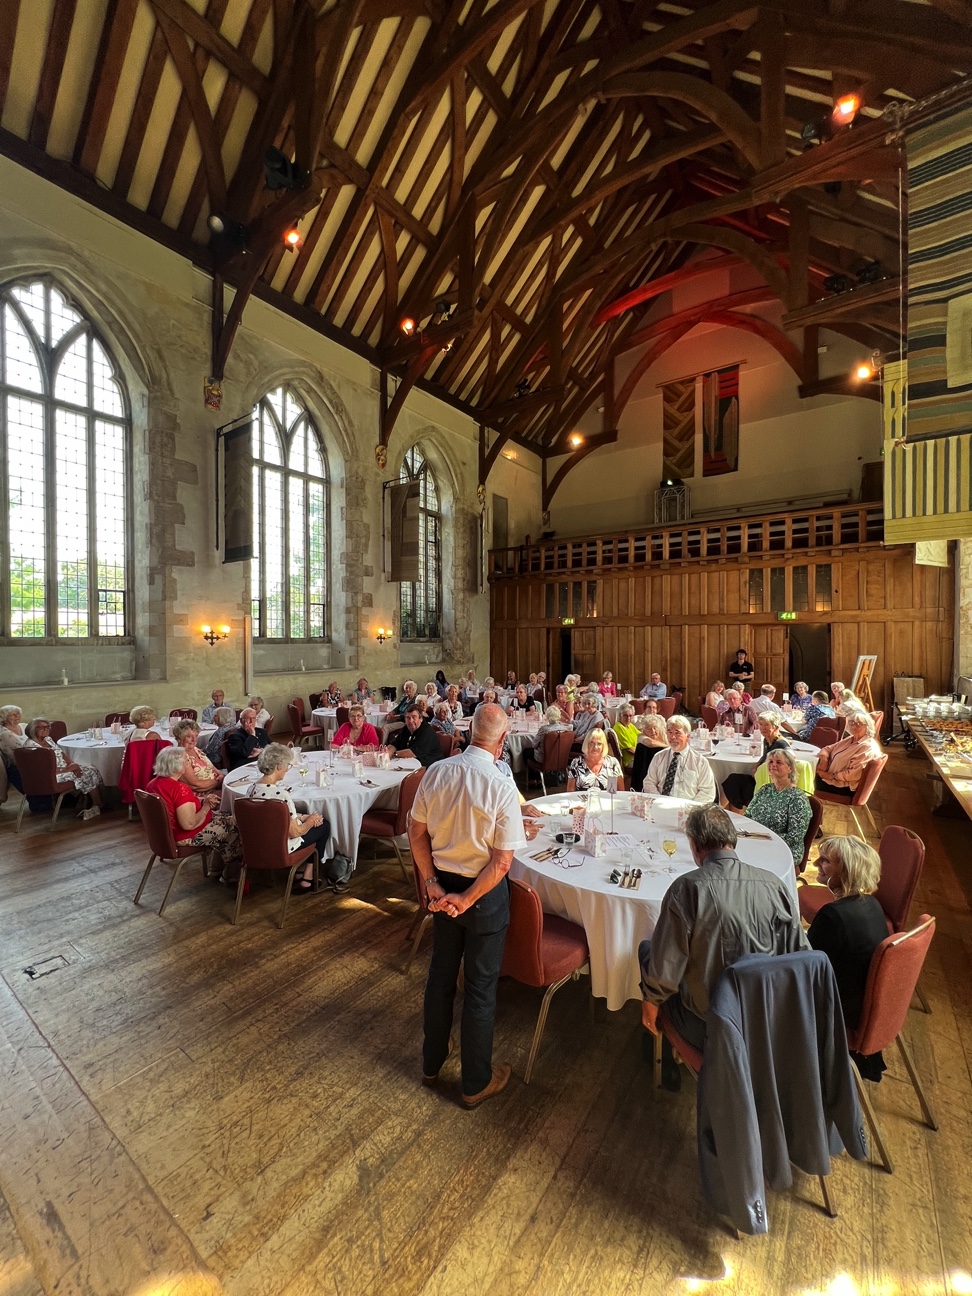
{"x":629,"y":879}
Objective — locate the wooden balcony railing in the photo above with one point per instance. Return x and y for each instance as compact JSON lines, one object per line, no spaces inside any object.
{"x":779,"y":533}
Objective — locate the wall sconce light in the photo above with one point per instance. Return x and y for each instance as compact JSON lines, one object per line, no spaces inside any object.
{"x":382,"y":635}
{"x":214,"y":636}
{"x":575,"y":441}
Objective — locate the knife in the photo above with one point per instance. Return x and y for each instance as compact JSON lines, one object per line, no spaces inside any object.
{"x":741,"y":832}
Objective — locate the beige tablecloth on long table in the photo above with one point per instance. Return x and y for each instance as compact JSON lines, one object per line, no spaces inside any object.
{"x":106,"y":756}
{"x":344,"y":803}
{"x":616,"y":921}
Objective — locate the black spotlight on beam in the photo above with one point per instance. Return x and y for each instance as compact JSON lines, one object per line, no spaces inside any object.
{"x":443,"y":309}
{"x":837,"y":283}
{"x":224,"y":227}
{"x":522,"y":388}
{"x":811,"y":135}
{"x":872,"y":273}
{"x":280,"y":173}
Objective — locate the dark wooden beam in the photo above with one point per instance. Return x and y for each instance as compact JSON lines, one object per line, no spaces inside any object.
{"x":845,"y":303}
{"x":196,"y":27}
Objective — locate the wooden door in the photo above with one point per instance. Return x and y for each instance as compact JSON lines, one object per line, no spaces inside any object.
{"x":771,"y":657}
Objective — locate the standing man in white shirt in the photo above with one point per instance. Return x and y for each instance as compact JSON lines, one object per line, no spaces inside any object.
{"x":679,"y":771}
{"x":464,"y":827}
{"x":655,"y":689}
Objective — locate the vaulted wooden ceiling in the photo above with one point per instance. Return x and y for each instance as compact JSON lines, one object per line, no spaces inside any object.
{"x":543,"y":170}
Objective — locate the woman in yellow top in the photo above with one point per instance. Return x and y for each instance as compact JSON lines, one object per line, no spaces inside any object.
{"x":627,"y":734}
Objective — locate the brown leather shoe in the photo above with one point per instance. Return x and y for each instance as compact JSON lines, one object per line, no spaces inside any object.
{"x":501,"y":1076}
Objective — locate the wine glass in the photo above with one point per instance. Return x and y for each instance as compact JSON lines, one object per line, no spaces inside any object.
{"x":669,"y":847}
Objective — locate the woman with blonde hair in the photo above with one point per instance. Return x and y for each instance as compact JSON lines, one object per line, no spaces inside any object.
{"x":654,"y":738}
{"x":715,"y":695}
{"x":144,"y":719}
{"x":841,"y":765}
{"x":201,"y":774}
{"x":595,"y":768}
{"x":851,"y":927}
{"x":780,"y":805}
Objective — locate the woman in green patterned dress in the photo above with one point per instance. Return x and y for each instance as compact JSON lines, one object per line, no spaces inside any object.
{"x":780,"y":805}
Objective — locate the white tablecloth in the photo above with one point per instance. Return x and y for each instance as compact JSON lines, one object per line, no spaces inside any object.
{"x":326,"y":718}
{"x":732,"y":756}
{"x":344,"y":803}
{"x":106,"y":756}
{"x":616,"y":921}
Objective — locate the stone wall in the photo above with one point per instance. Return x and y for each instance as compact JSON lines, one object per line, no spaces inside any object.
{"x":152,"y":308}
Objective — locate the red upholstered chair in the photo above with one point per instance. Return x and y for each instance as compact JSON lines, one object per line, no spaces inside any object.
{"x":137,"y":765}
{"x":123,"y":717}
{"x":823,"y":733}
{"x":161,"y":839}
{"x":666,"y":707}
{"x":392,"y":824}
{"x":58,"y":730}
{"x":421,"y":920}
{"x":264,"y":827}
{"x":343,"y":715}
{"x":639,"y":705}
{"x":38,"y":775}
{"x":895,"y":968}
{"x":542,"y":950}
{"x":183,"y":713}
{"x":447,"y":742}
{"x":878,"y":718}
{"x":710,"y":715}
{"x":902,"y":858}
{"x":862,"y":794}
{"x":538,"y":695}
{"x":556,"y":756}
{"x":315,"y":701}
{"x":676,"y":696}
{"x":614,"y":747}
{"x":298,"y":729}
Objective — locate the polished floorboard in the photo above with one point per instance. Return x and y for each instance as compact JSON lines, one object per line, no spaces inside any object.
{"x":191,"y":1108}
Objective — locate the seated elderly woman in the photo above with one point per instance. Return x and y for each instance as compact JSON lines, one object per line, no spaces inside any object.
{"x":409,"y":690}
{"x":553,"y":722}
{"x":262,"y":714}
{"x":607,"y":686}
{"x":595,"y":768}
{"x":840,"y":766}
{"x":594,"y":691}
{"x":715,"y":695}
{"x":849,"y":703}
{"x":10,"y":739}
{"x":780,"y":805}
{"x":360,"y":693}
{"x":522,"y":703}
{"x":144,"y":719}
{"x":489,"y":696}
{"x":454,"y":704}
{"x":442,"y":722}
{"x":572,"y":685}
{"x":800,"y":698}
{"x":355,"y":730}
{"x":332,"y":695}
{"x":225,"y":721}
{"x":305,"y":829}
{"x":201,"y":773}
{"x":194,"y":820}
{"x":627,"y":734}
{"x":804,"y":722}
{"x":83,"y":778}
{"x":431,"y":693}
{"x":734,"y":712}
{"x":739,"y":788}
{"x":653,"y":739}
{"x":587,"y":716}
{"x":563,"y":703}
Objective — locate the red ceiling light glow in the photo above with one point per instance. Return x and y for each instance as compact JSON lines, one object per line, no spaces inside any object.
{"x":846,"y":108}
{"x":293,"y":239}
{"x":407,"y":325}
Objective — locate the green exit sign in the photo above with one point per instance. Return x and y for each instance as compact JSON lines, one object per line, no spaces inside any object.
{"x":786,"y":616}
{"x":568,"y":621}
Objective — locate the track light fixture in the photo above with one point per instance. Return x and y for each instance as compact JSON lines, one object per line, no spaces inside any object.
{"x":292,"y":239}
{"x":443,"y":309}
{"x":407,"y":326}
{"x":846,"y":109}
{"x":575,"y":440}
{"x":837,"y":283}
{"x":224,"y":227}
{"x":522,"y":388}
{"x":865,"y":370}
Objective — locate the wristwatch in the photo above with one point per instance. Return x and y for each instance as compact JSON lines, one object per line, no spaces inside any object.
{"x":429,"y":881}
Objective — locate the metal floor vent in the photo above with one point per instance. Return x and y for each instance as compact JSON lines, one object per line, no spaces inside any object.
{"x":44,"y":967}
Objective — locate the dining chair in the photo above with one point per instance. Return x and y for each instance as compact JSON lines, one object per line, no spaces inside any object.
{"x":447,"y":742}
{"x":298,"y":729}
{"x":392,"y":824}
{"x":37,"y":767}
{"x":666,"y":707}
{"x":862,"y":794}
{"x":421,"y":920}
{"x":123,"y":718}
{"x":824,"y":734}
{"x":161,"y":839}
{"x":816,"y":818}
{"x":542,"y":950}
{"x":183,"y":713}
{"x":59,"y":730}
{"x":315,"y":701}
{"x":556,"y":756}
{"x":639,"y":705}
{"x":710,"y":715}
{"x":892,"y":977}
{"x":264,"y":833}
{"x":138,"y":764}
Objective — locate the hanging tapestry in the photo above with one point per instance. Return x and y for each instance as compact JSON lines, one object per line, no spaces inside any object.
{"x":720,"y":421}
{"x":238,"y":494}
{"x":406,"y":498}
{"x":678,"y":421}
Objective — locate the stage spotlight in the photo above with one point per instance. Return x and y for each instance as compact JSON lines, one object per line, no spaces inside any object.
{"x":443,"y":309}
{"x":293,"y":239}
{"x":811,"y":135}
{"x":837,"y":283}
{"x":225,"y":227}
{"x":871,"y":273}
{"x":846,"y":109}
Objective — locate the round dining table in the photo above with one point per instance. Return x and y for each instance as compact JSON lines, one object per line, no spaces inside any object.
{"x":739,"y":756}
{"x":326,"y":719}
{"x":579,"y":887}
{"x":106,"y":754}
{"x":344,"y":803}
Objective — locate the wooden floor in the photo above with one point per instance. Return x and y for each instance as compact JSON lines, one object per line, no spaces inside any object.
{"x":188,"y":1107}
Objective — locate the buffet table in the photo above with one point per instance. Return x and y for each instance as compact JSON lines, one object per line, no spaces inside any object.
{"x":578,"y":887}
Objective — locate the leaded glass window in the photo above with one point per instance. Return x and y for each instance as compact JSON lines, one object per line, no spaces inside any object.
{"x":65,"y":438}
{"x":288,"y":574}
{"x":421,"y":602}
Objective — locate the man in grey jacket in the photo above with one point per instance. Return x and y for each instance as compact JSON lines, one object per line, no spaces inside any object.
{"x":708,"y":920}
